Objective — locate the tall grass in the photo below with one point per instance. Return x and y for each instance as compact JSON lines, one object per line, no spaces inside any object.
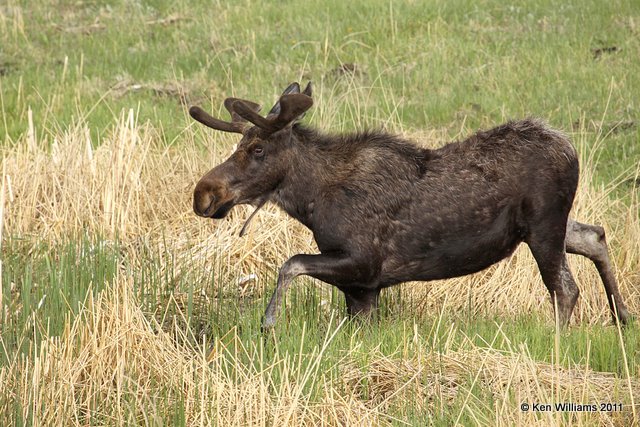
{"x":436,"y":64}
{"x":121,"y":307}
{"x":114,"y":365}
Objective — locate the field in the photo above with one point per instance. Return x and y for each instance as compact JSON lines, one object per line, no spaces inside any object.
{"x":118,"y":306}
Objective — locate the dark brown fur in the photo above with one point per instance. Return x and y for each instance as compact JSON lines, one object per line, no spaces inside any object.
{"x":384,"y":211}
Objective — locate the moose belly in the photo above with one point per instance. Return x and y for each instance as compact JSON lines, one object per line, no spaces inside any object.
{"x":445,"y":253}
{"x":446,"y":261}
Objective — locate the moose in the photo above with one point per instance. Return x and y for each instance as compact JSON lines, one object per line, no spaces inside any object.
{"x":385,"y":211}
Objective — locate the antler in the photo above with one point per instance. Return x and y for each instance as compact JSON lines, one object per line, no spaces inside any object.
{"x":237,"y":123}
{"x":291,"y":107}
{"x":292,"y":88}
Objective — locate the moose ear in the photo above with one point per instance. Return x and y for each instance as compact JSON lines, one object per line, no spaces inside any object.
{"x":292,"y":88}
{"x":307,"y":91}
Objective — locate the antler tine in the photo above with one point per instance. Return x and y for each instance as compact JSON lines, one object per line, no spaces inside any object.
{"x":206,"y":119}
{"x":290,"y":107}
{"x":237,"y":123}
{"x":293,"y":107}
{"x":247,"y":113}
{"x":235,"y":117}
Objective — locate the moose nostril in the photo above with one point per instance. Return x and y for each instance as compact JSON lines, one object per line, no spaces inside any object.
{"x":203,"y":203}
{"x":207,"y":211}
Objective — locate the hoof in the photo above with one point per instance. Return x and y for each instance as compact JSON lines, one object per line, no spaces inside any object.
{"x":623,"y":317}
{"x":268,"y":324}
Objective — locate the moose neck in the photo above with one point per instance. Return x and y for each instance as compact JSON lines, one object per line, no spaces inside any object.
{"x":308,"y":171}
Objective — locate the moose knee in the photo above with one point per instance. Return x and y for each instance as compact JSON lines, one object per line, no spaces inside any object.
{"x":587,"y":240}
{"x":292,"y":268}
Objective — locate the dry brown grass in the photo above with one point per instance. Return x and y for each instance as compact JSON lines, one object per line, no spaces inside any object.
{"x":113,"y":365}
{"x":133,"y":189}
{"x":435,"y":379}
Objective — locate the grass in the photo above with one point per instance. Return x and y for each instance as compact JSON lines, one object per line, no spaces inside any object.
{"x":44,"y":285}
{"x":56,"y":281}
{"x":162,"y":291}
{"x":413,"y":65}
{"x":119,"y":307}
{"x":418,"y":370}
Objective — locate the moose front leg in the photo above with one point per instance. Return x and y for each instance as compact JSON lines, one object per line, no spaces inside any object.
{"x":361,"y":301}
{"x":329,"y":268}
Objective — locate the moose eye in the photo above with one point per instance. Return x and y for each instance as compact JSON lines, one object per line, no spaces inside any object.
{"x":258,"y":150}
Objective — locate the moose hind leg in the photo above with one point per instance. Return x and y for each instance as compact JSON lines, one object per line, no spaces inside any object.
{"x":549,"y":252}
{"x":590,"y":241}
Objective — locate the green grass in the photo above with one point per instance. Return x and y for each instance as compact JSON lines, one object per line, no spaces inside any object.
{"x":421,"y":64}
{"x":43,"y":284}
{"x":68,"y":271}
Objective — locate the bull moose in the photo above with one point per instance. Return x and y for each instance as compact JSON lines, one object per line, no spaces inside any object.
{"x":385,"y":211}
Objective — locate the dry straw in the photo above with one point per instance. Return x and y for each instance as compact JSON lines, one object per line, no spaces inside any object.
{"x":114,"y":365}
{"x":133,"y":189}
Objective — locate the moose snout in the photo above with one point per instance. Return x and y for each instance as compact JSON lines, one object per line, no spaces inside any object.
{"x":203,"y":203}
{"x":204,"y":199}
{"x":212,"y":199}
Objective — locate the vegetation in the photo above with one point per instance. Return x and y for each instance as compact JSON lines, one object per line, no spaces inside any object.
{"x":118,"y":306}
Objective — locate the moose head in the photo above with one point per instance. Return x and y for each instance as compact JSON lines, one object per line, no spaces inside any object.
{"x":259,"y":163}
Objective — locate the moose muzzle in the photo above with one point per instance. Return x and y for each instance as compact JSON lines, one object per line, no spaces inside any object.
{"x":212,"y":199}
